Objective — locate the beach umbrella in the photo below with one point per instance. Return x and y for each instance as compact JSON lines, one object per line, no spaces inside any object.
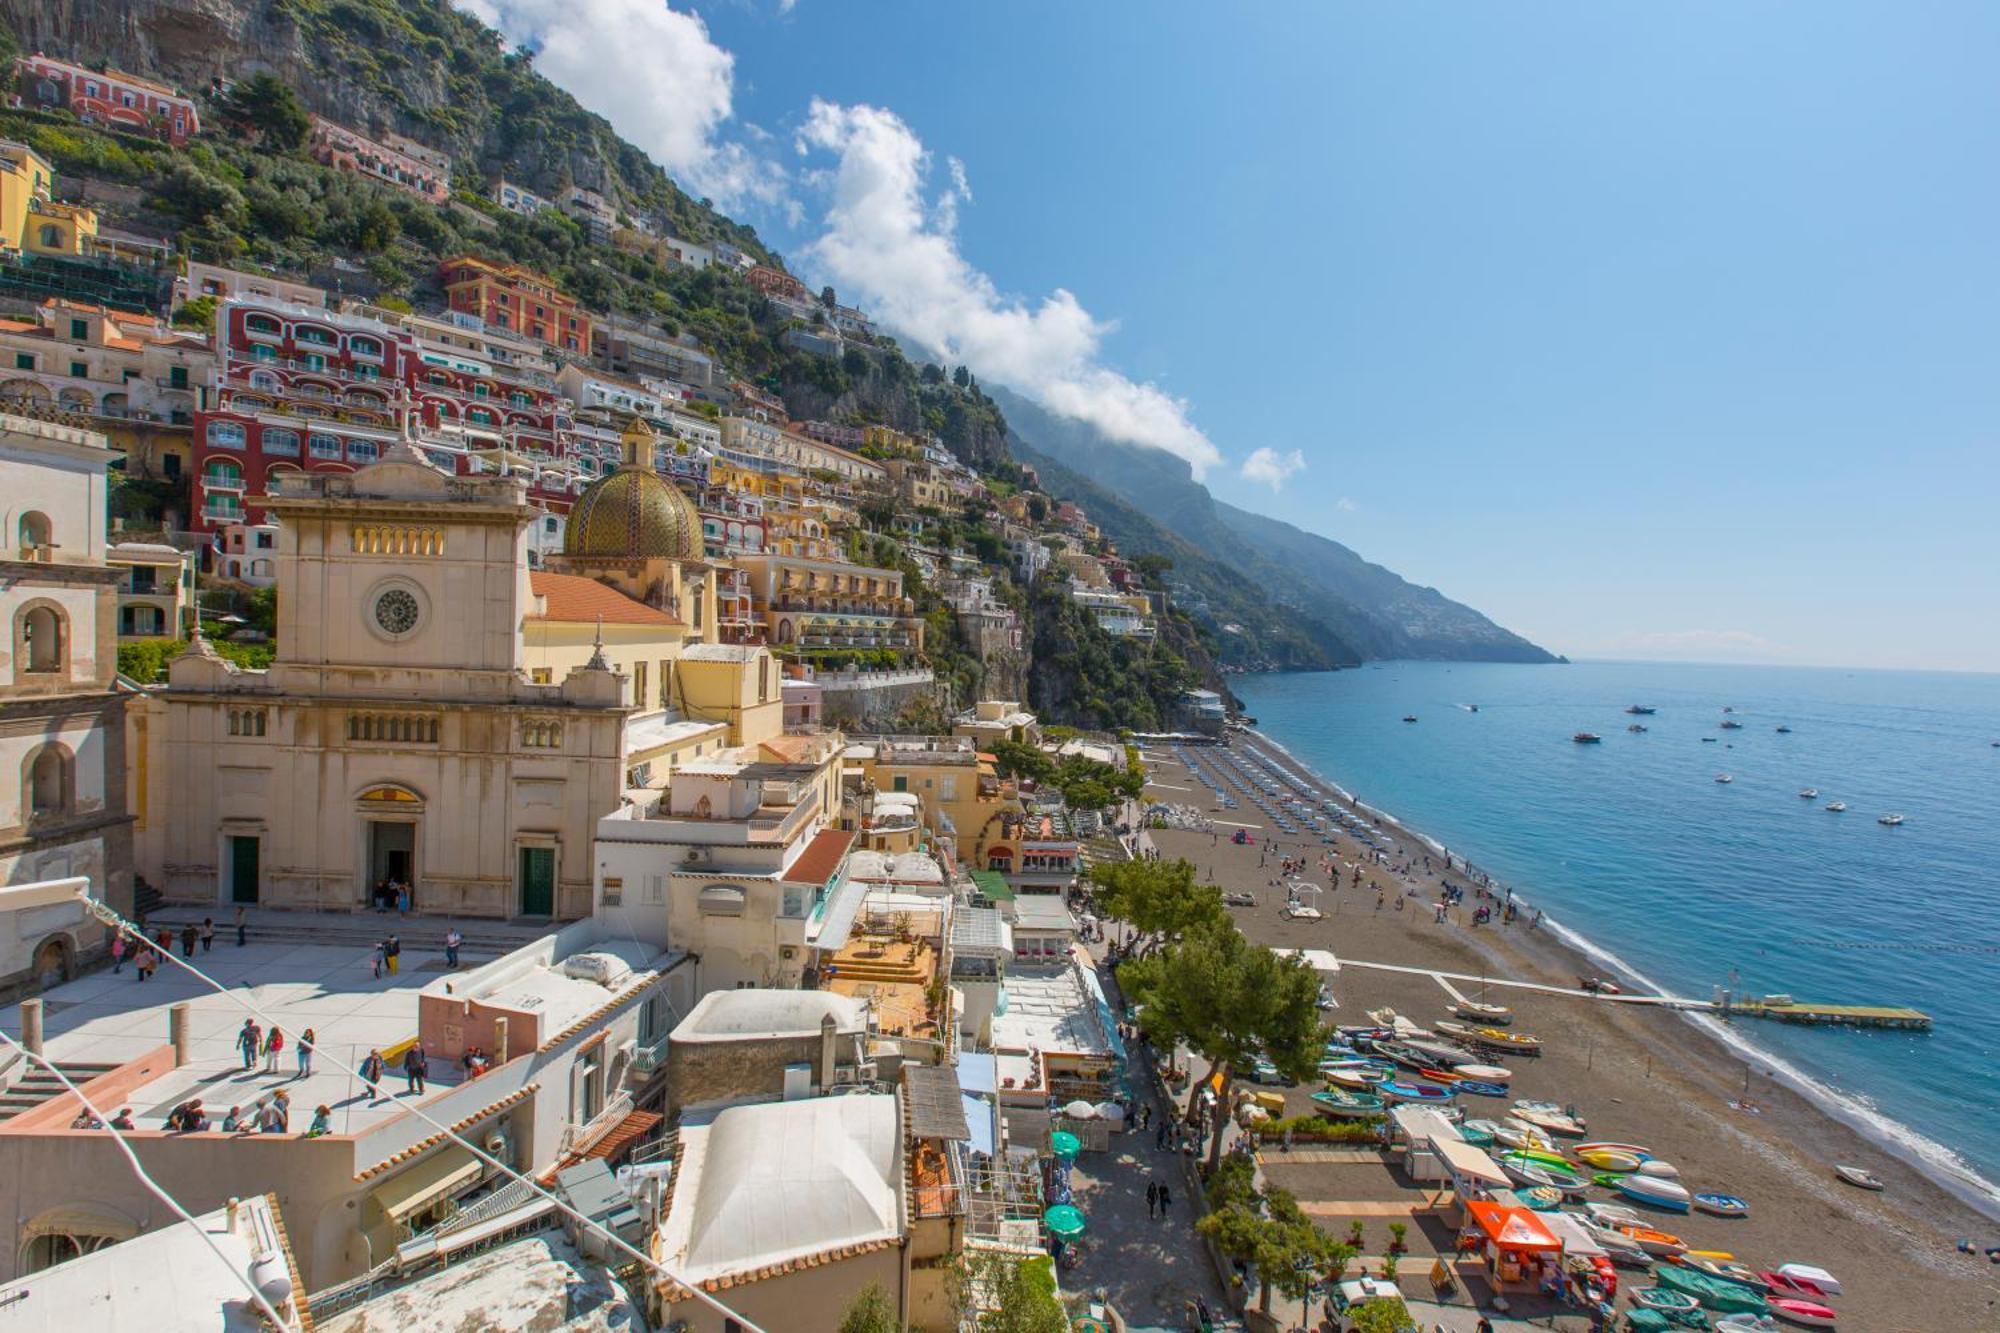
{"x":1080,"y":1110}
{"x":1064,"y":1221}
{"x":1111,"y":1112}
{"x":1064,"y":1144}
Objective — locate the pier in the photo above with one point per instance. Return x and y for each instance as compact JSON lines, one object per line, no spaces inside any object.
{"x":1828,"y":1015}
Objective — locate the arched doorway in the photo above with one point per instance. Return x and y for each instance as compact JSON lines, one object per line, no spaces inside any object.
{"x":390,"y":815}
{"x":52,"y":962}
{"x":71,"y":1231}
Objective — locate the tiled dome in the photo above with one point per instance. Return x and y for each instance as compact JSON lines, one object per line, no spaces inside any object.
{"x":634,"y":513}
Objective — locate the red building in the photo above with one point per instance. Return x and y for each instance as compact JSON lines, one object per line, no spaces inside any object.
{"x":776,"y":282}
{"x":122,"y":101}
{"x":400,"y":163}
{"x":517,"y":299}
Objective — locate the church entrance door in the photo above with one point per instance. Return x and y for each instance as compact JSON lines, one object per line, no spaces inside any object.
{"x":392,"y":855}
{"x":538,"y":881}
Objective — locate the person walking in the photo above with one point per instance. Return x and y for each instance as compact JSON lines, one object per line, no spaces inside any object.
{"x":1166,"y":1198}
{"x":144,"y":960}
{"x":242,"y":926}
{"x":207,"y":933}
{"x":452,"y":939}
{"x":415,"y":1066}
{"x":274,"y":1046}
{"x":1152,"y":1196}
{"x":322,"y":1122}
{"x":117,"y":952}
{"x":307,"y":1040}
{"x":402,"y":900}
{"x":189,"y":934}
{"x":393,"y":951}
{"x":380,"y":958}
{"x":371,"y":1074}
{"x":250,"y":1039}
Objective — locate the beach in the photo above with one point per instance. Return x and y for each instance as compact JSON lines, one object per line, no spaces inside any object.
{"x":1637,"y":1074}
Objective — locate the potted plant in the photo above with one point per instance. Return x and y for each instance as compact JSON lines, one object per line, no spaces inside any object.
{"x":1354,"y":1233}
{"x":1397,"y":1230}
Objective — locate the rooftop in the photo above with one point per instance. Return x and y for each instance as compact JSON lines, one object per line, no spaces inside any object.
{"x":895,"y":868}
{"x":537,"y":1282}
{"x":574,"y":599}
{"x":727,"y":1015}
{"x":893,"y":975}
{"x":1052,"y":1011}
{"x":766,"y":1186}
{"x":1042,"y":911}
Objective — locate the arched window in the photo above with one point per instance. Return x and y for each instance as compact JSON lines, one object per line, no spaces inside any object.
{"x":265,"y":380}
{"x":226,"y":434}
{"x":42,"y":633}
{"x":35,"y":533}
{"x":361,"y":346}
{"x":276,"y":440}
{"x":222,"y":472}
{"x":52,"y":237}
{"x":48,"y":784}
{"x":261,"y":324}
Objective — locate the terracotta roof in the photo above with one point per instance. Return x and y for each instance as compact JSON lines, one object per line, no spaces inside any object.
{"x":791,"y":749}
{"x":422,"y":1146}
{"x":821,"y":857}
{"x":574,"y":599}
{"x":673,"y":1292}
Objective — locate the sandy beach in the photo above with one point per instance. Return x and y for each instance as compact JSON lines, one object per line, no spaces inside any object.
{"x":1637,"y":1074}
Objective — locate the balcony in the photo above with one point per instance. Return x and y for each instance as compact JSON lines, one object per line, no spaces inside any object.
{"x":219,"y":513}
{"x":224,"y":481}
{"x":646,"y":1060}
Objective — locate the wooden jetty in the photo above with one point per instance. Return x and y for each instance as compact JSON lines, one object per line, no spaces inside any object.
{"x":1787,"y":1010}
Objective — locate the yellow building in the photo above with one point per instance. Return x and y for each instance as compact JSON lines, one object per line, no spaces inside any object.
{"x":156,"y":595}
{"x":30,"y":219}
{"x":963,"y":800}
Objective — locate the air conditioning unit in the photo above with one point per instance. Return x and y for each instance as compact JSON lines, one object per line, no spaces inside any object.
{"x":788,"y":951}
{"x":697,"y":856}
{"x":854,"y":1074}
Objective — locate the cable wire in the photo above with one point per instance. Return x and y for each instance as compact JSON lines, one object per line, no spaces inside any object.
{"x":110,"y":917}
{"x":158,"y":1190}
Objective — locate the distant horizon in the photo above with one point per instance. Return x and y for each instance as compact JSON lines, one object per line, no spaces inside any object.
{"x":1594,"y":660}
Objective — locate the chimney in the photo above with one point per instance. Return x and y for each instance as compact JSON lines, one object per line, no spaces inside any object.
{"x":500,"y":1041}
{"x":181,"y":1033}
{"x":827,"y":1030}
{"x":31,"y":1026}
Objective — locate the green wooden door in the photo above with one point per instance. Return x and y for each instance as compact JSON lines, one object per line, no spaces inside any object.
{"x":538,"y":881}
{"x":243,"y":870}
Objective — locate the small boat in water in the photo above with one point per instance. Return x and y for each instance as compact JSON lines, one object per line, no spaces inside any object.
{"x":1809,"y":794}
{"x":1782,"y":729}
{"x":1860,"y":1179}
{"x":1731,"y":724}
{"x":1724,"y":778}
{"x":1409,"y":717}
{"x":1836,"y":806}
{"x":1636,"y":727}
{"x":1586,"y":738}
{"x":1891,"y":820}
{"x":1647,"y":710}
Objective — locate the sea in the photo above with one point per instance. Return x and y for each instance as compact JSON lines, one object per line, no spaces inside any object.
{"x":1685,"y":884}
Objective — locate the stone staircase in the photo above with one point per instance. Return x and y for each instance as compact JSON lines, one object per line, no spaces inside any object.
{"x":37,"y":1085}
{"x":485,"y":939}
{"x":895,"y":963}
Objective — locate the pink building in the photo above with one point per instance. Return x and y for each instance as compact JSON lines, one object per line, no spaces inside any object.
{"x":402,"y":163}
{"x":122,"y":101}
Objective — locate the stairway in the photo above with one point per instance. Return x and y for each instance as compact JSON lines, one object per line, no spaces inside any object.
{"x":899,"y":963}
{"x":485,"y":940}
{"x":38,"y":1085}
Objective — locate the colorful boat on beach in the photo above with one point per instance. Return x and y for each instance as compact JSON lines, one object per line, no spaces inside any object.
{"x":1498,"y":1015}
{"x":1656,"y":1191}
{"x":1659,"y":1244}
{"x":1343,"y":1105}
{"x":1665,"y":1301}
{"x":1722,"y":1205}
{"x":1609,"y":1159}
{"x":1481,"y":1088}
{"x":1595,"y":1145}
{"x":1727,"y":1270}
{"x":1519,"y":1134}
{"x":1402,"y":1090}
{"x":1809,"y":1314}
{"x":1546,"y":1116}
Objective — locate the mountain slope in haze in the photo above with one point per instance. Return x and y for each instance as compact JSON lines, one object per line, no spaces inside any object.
{"x":1372,"y":611}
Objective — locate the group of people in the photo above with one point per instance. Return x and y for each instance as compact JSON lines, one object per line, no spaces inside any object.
{"x":252,"y":1041}
{"x":392,"y":893}
{"x":416,"y":1069}
{"x":144,"y":951}
{"x":268,"y":1115}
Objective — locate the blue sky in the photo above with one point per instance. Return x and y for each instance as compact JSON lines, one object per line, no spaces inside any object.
{"x":1651,"y":331}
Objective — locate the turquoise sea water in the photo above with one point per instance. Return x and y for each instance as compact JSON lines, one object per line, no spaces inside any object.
{"x":1691,"y":883}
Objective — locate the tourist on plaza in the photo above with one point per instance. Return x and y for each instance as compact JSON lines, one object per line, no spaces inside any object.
{"x":307,"y":1041}
{"x":416,"y":1065}
{"x":371,"y":1072}
{"x":381,"y":896}
{"x":117,"y":952}
{"x":402,"y":900}
{"x":242,"y":923}
{"x":207,"y":933}
{"x":322,"y":1122}
{"x":1166,"y":1198}
{"x":233,"y":1122}
{"x":250,"y":1039}
{"x":274,"y":1046}
{"x":86,"y":1119}
{"x":392,"y":950}
{"x":1152,"y":1197}
{"x":380,"y":958}
{"x":144,"y":960}
{"x":452,"y":939}
{"x":123,"y":1120}
{"x":189,"y":934}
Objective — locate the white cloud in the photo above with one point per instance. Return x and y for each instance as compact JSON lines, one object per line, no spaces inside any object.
{"x":1345,"y":505}
{"x":885,"y":245}
{"x":655,"y":74}
{"x":1272,"y":468}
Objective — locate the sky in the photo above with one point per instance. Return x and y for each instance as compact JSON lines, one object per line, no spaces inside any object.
{"x":1653,"y":332}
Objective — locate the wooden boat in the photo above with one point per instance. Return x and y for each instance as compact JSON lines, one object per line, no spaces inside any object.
{"x":1347,"y":1105}
{"x":1860,"y":1179}
{"x":1796,"y":1310}
{"x":1654,"y":1191}
{"x":1610,"y":1214}
{"x":1722,"y":1205}
{"x":1359,"y":1078}
{"x":1519,"y":1134}
{"x":1443,"y":1052}
{"x":1523,"y":1042}
{"x":1621,"y":1247}
{"x":1665,"y":1301}
{"x":1555,"y":1122}
{"x":1658,"y":1169}
{"x":1486,"y":1073}
{"x":1609,"y":1159}
{"x":1473,"y":1133}
{"x":1746,"y":1323}
{"x":1634,"y":1149}
{"x":1659,"y":1244}
{"x":1498,"y":1015}
{"x":1709,"y":1291}
{"x":1541,"y":1198}
{"x":1402,"y":1090}
{"x":1540,"y":1169}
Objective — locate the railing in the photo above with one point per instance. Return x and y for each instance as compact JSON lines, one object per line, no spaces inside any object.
{"x":578,"y":1138}
{"x":647,"y":1059}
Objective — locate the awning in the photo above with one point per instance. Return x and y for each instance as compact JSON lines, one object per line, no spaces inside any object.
{"x":434,"y":1178}
{"x":1576,"y":1240}
{"x":1468,"y":1163}
{"x":1512,"y":1228}
{"x":82,"y":1219}
{"x":836,"y":922}
{"x":979,"y":1120}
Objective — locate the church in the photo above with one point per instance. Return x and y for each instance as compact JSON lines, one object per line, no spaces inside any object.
{"x":438,"y":714}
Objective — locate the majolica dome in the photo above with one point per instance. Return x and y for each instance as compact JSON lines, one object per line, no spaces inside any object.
{"x":634,"y":513}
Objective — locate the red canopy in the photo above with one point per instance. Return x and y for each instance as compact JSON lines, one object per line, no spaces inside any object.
{"x":1512,"y":1228}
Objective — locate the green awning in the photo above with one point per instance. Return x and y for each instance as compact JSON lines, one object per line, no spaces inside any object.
{"x":993,"y":886}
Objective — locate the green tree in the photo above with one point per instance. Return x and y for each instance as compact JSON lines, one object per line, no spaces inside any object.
{"x":871,"y":1312}
{"x":1159,"y":899}
{"x":266,"y":106}
{"x":1379,"y":1317}
{"x":1232,"y":1001}
{"x":999,"y":1293}
{"x":197,"y":313}
{"x":1269,"y":1232}
{"x":1018,"y":759}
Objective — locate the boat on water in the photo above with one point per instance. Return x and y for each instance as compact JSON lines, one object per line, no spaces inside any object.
{"x":1731,"y":724}
{"x":1782,"y":729}
{"x":1809,"y":794}
{"x":1479,"y":1012}
{"x":1836,"y":806}
{"x":1724,"y":778}
{"x":1807,"y":1314}
{"x":1586,"y":738}
{"x":1722,"y":1205}
{"x":1409,"y":717}
{"x":1655,"y":1191}
{"x":1636,"y":727}
{"x":1891,"y":820}
{"x":1647,"y":710}
{"x":1342,"y":1105}
{"x":1857,"y":1177}
{"x":1708,"y":740}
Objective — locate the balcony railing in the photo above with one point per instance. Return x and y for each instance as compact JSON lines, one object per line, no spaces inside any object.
{"x":648,"y":1059}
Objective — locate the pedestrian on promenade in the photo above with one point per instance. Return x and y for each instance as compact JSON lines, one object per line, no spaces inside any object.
{"x":452,"y":939}
{"x":392,"y":950}
{"x":1166,"y":1198}
{"x":379,"y":958}
{"x":402,"y":900}
{"x":1152,"y":1197}
{"x":144,"y":961}
{"x":415,"y":1066}
{"x":307,"y":1041}
{"x":242,"y":925}
{"x":117,"y":952}
{"x":250,"y":1039}
{"x":371,"y":1074}
{"x":274,"y":1046}
{"x":189,"y":934}
{"x":207,"y":933}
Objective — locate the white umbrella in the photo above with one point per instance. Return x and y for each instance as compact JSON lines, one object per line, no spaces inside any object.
{"x":1110,"y":1111}
{"x":1080,"y":1110}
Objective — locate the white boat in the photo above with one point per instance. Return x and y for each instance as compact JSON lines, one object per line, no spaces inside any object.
{"x":1554,"y":1122}
{"x":1724,"y":777}
{"x":1809,"y":794}
{"x":1890,"y":820}
{"x":1483,"y":1013}
{"x":1836,"y":806}
{"x":1746,"y":1323}
{"x":1613,"y":1215}
{"x":1512,"y":1133}
{"x":1484,"y":1073}
{"x":1656,"y":1190}
{"x":1857,"y":1177}
{"x":1812,"y":1276}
